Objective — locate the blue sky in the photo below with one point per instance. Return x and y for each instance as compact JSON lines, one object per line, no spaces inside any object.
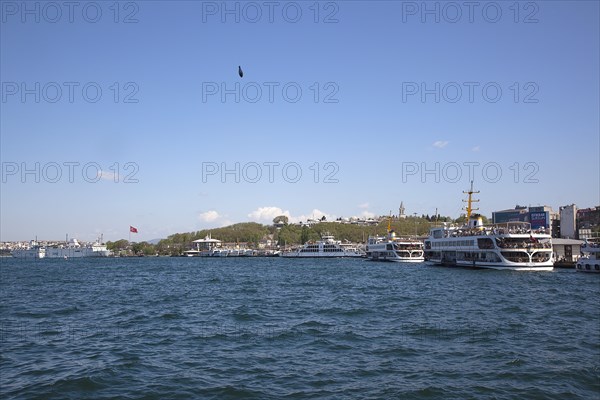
{"x":161,"y":121}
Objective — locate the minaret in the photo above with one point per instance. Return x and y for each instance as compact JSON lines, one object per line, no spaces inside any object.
{"x":401,"y":210}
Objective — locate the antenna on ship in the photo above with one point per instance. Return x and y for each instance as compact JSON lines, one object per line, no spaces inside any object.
{"x":470,"y":201}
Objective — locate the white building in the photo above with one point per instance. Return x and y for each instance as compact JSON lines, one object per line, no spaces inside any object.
{"x":568,"y":224}
{"x":566,"y":250}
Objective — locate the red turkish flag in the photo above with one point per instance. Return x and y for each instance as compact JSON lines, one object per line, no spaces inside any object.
{"x":132,"y":229}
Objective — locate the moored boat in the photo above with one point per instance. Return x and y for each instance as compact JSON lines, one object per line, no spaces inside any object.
{"x":34,"y":250}
{"x":393,"y":248}
{"x":71,"y":249}
{"x":327,"y":247}
{"x":506,"y":246}
{"x":590,"y":261}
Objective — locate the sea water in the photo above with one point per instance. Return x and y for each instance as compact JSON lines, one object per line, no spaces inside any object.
{"x":238,"y":328}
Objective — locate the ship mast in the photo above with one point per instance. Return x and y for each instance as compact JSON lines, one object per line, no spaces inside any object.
{"x":470,"y":202}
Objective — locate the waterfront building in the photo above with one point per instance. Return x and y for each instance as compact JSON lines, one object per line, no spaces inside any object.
{"x":540,"y":217}
{"x":588,"y":220}
{"x":204,"y":247}
{"x":566,"y":251}
{"x":518,"y":214}
{"x":568,"y":224}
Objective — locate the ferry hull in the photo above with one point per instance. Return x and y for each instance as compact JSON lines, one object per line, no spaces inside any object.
{"x":60,"y":253}
{"x":317,"y":255}
{"x":414,"y":260}
{"x":588,"y":265}
{"x":76,"y":253}
{"x":499,"y":267}
{"x":30,"y":253}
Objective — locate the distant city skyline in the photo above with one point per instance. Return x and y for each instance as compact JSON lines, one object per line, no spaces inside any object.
{"x":181,"y":116}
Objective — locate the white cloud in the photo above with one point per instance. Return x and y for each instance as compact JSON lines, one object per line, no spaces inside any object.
{"x":363,"y":205}
{"x":209,"y":216}
{"x":266,"y":215}
{"x":315,"y":214}
{"x":440,"y":144}
{"x":225,"y":222}
{"x":367,"y":214}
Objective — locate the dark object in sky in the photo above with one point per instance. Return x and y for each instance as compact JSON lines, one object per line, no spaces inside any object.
{"x":240,"y":72}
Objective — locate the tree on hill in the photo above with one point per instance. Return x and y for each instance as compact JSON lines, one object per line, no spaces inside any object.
{"x":280,"y":219}
{"x":118,"y":245}
{"x":304,"y":235}
{"x":144,"y":248}
{"x":289,"y":234}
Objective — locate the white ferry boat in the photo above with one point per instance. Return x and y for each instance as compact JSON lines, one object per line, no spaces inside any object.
{"x":327,"y":247}
{"x":507,"y":246}
{"x":392,"y":248}
{"x":71,"y":249}
{"x":590,"y":262}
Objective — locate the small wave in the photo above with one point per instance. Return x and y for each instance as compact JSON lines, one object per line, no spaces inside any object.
{"x":67,"y":311}
{"x":245,"y":314}
{"x":346,"y":312}
{"x":170,"y":315}
{"x":516,"y":362}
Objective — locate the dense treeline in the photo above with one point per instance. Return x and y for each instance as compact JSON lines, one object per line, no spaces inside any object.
{"x":252,"y":233}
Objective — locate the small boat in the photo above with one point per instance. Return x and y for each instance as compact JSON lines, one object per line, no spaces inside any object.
{"x":590,"y":261}
{"x":220,"y":253}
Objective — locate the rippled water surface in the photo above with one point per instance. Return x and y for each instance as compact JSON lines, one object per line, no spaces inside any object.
{"x":233,"y":328}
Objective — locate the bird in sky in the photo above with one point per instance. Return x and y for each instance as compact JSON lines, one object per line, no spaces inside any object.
{"x":240,"y":72}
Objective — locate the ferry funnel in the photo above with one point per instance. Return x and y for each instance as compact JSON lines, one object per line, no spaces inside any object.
{"x":475,"y":222}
